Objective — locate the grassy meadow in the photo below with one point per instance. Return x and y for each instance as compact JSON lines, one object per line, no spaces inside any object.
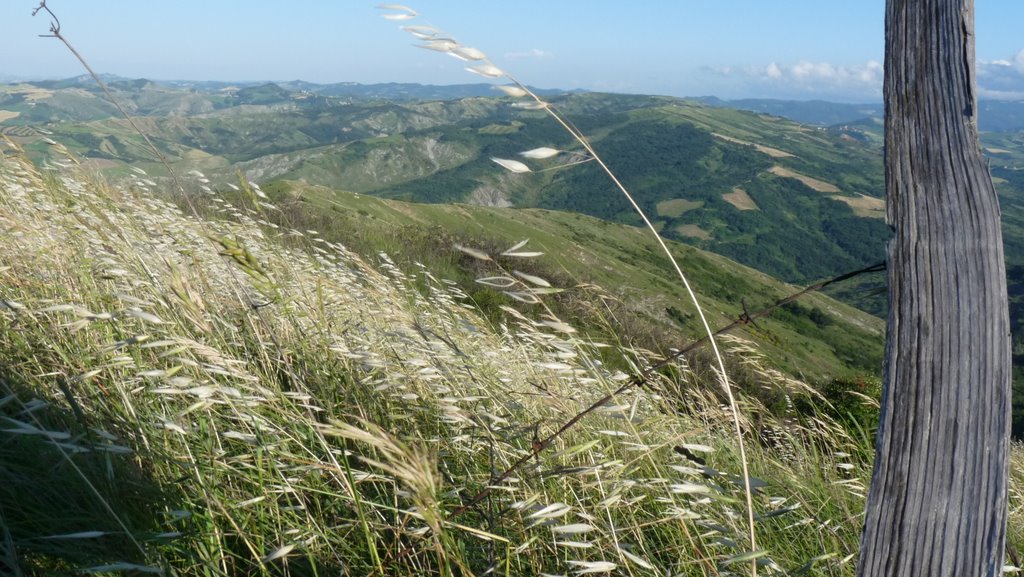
{"x":203,"y":391}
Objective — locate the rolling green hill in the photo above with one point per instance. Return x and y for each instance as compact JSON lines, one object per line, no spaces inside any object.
{"x":753,"y":175}
{"x":818,"y":338}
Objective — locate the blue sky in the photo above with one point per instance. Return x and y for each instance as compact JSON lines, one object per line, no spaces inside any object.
{"x":804,"y":49}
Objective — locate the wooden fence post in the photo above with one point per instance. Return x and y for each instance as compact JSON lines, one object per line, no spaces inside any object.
{"x":938,"y":499}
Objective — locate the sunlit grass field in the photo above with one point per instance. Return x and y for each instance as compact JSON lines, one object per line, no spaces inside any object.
{"x":189,"y":388}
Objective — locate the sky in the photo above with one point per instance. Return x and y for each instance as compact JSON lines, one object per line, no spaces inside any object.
{"x":794,"y":49}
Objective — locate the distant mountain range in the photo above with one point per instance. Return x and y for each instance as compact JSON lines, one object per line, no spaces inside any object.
{"x":818,"y":112}
{"x":712,"y":176}
{"x":994,"y":116}
{"x":400,"y":91}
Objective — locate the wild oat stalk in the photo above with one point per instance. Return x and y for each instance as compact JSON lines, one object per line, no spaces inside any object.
{"x":434,"y":39}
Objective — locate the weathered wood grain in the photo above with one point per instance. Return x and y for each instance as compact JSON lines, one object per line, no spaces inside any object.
{"x":937,"y":503}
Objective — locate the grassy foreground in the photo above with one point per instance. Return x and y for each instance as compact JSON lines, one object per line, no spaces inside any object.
{"x":224,"y":396}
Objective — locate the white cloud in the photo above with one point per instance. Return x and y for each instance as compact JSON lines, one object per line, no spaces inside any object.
{"x":868,"y":75}
{"x":1014,"y":63}
{"x":531,"y":53}
{"x":806,"y":79}
{"x":988,"y":94}
{"x":1002,"y":79}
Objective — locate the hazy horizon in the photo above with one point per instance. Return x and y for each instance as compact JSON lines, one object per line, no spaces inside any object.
{"x":800,"y":50}
{"x":184,"y":81}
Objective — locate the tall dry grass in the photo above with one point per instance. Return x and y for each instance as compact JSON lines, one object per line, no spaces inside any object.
{"x":227,"y":396}
{"x":479,"y":63}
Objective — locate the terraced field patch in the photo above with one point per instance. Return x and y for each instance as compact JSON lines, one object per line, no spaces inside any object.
{"x":678,"y":207}
{"x":693,"y":231}
{"x":864,"y":205}
{"x":740,"y":199}
{"x":813,"y":183}
{"x":772,"y":152}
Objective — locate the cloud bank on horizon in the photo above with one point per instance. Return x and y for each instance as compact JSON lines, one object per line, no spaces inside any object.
{"x":1002,"y":79}
{"x":997,"y":79}
{"x":805,"y":79}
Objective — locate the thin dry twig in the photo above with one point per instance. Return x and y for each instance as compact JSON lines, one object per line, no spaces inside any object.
{"x":56,"y":33}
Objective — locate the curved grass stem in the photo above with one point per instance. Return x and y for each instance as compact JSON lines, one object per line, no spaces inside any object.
{"x":723,"y":375}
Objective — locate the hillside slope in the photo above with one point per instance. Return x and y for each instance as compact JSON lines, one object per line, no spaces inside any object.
{"x":223,"y":394}
{"x":234,"y":391}
{"x":763,"y":184}
{"x":818,"y":338}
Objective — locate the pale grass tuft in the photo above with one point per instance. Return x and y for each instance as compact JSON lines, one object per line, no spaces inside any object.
{"x":511,"y":165}
{"x":477,"y":254}
{"x":144,"y":316}
{"x":551,"y":511}
{"x":403,"y":12}
{"x":439,"y":45}
{"x":398,"y":7}
{"x":486,"y":70}
{"x":516,"y":246}
{"x":532,"y":279}
{"x":467,"y":53}
{"x":422,"y":31}
{"x":524,"y":254}
{"x":540,"y":153}
{"x":497,"y":281}
{"x":591,"y":567}
{"x":573,"y":529}
{"x":635,"y":559}
{"x":414,"y":467}
{"x":529,"y":298}
{"x":511,"y":90}
{"x":515,"y":252}
{"x":278,"y":553}
{"x":575,"y":544}
{"x":534,"y":105}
